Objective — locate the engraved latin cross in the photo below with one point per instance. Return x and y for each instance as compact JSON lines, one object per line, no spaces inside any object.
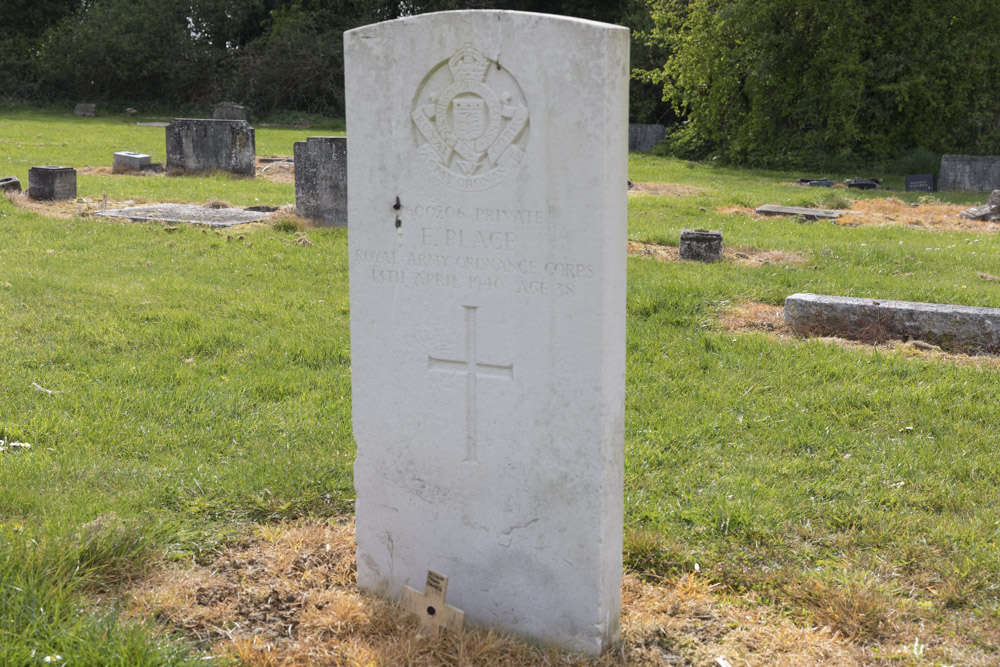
{"x":473,"y":369}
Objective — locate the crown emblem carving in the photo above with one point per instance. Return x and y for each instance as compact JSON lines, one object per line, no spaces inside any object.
{"x":468,"y":64}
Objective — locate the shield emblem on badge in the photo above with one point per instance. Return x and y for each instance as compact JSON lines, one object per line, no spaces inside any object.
{"x":468,"y":117}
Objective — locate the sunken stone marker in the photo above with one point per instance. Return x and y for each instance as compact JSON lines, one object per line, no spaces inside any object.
{"x":487,"y":267}
{"x":10,"y":184}
{"x":229,"y":111}
{"x":321,"y":179}
{"x":89,"y":110}
{"x":52,"y":183}
{"x":198,"y":144}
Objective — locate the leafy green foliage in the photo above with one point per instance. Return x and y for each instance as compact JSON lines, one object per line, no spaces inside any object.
{"x":787,"y":82}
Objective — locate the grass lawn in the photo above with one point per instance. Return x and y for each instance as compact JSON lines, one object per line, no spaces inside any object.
{"x":178,"y":387}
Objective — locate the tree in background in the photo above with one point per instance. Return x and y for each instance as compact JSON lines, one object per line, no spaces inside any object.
{"x":787,"y":82}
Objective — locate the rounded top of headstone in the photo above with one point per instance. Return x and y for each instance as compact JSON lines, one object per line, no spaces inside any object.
{"x":993,"y":199}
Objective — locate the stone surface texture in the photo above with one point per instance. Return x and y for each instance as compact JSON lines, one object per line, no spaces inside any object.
{"x":52,"y":183}
{"x":199,"y":144}
{"x":10,"y":184}
{"x":989,"y":212}
{"x":129,"y":161}
{"x":321,"y":179}
{"x":807,"y":213}
{"x":228,"y":111}
{"x":487,"y":247}
{"x":89,"y":110}
{"x":978,"y":173}
{"x":950,"y":326}
{"x":200,"y":215}
{"x":701,"y":245}
{"x":643,"y":137}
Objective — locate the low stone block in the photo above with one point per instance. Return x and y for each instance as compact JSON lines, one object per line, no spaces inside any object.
{"x":52,"y":183}
{"x":229,"y":111}
{"x":701,"y":245}
{"x":10,"y":184}
{"x":89,"y":110}
{"x":197,"y":144}
{"x":129,"y":161}
{"x":977,"y":173}
{"x":950,"y":326}
{"x":321,"y":179}
{"x":822,"y":183}
{"x":807,"y":213}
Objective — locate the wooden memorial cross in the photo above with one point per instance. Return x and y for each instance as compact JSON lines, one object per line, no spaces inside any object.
{"x":430,"y":607}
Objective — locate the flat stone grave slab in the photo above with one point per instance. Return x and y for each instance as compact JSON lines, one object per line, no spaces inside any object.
{"x":950,"y":326}
{"x":807,"y":213}
{"x":487,"y":244}
{"x":199,"y":215}
{"x":153,"y":124}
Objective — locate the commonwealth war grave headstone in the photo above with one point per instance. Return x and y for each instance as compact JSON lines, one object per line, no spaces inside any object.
{"x":321,"y":179}
{"x":487,"y":266}
{"x":199,"y":144}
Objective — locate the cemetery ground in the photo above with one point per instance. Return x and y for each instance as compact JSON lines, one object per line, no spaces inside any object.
{"x":186,"y":395}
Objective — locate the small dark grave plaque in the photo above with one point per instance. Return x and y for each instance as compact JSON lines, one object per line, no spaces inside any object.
{"x":52,"y":183}
{"x":821,"y":184}
{"x":920,"y":183}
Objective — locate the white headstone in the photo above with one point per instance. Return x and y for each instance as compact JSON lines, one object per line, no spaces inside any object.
{"x":487,"y":236}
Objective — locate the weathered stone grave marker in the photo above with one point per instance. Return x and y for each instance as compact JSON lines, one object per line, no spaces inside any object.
{"x":430,"y":606}
{"x":487,"y":264}
{"x":199,"y":144}
{"x":321,"y":179}
{"x":701,"y":245}
{"x":52,"y":183}
{"x":978,"y":173}
{"x":10,"y":184}
{"x":230,"y":111}
{"x":89,"y":110}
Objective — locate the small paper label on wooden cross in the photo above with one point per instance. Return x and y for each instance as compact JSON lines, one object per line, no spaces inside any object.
{"x":429,"y":606}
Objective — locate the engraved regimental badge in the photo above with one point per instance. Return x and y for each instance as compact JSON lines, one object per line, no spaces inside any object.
{"x":471,"y":121}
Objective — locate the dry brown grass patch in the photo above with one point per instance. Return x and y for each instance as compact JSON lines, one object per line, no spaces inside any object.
{"x":70,"y":208}
{"x":286,"y":595}
{"x":743,"y":256}
{"x":666,"y":189}
{"x":884,"y":211}
{"x":276,"y":168}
